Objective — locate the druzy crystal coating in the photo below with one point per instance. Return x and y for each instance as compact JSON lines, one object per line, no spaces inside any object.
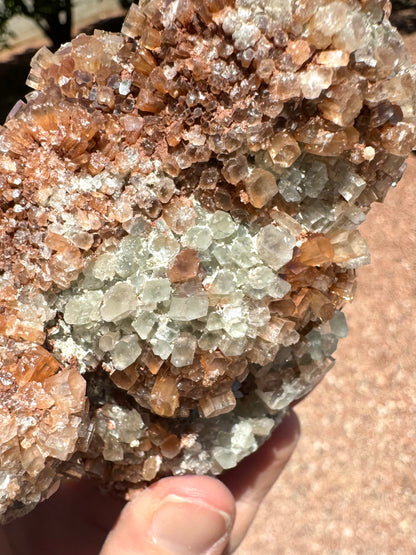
{"x":179,"y":214}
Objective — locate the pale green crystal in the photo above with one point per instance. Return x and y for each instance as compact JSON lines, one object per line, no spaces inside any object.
{"x":84,"y":308}
{"x":125,"y":351}
{"x":242,"y":252}
{"x":128,"y":252}
{"x":183,"y":350}
{"x":275,"y":246}
{"x":118,"y":302}
{"x":156,"y":290}
{"x":224,"y":282}
{"x":198,"y":238}
{"x":104,"y":266}
{"x":222,"y":225}
{"x":189,"y":308}
{"x":144,"y":323}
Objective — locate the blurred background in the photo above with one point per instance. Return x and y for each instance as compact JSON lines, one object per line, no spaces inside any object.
{"x":350,"y":487}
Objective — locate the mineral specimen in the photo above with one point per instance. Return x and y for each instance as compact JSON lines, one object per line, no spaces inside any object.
{"x":179,"y":213}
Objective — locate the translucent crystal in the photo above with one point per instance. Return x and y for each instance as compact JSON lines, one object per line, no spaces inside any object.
{"x":189,"y":308}
{"x":84,"y":308}
{"x":284,"y":149}
{"x":226,"y":458}
{"x":163,"y":247}
{"x":261,"y":187}
{"x":127,"y":256}
{"x":118,"y":302}
{"x":224,"y":282}
{"x":164,"y":398}
{"x":314,"y":81}
{"x":241,"y":251}
{"x":198,"y":238}
{"x":156,"y":290}
{"x":125,"y":351}
{"x":232,"y":346}
{"x":161,"y":348}
{"x":144,"y":323}
{"x":222,"y":225}
{"x":108,"y":340}
{"x":184,"y":267}
{"x":219,"y":404}
{"x":339,"y":324}
{"x":183,"y":351}
{"x":275,"y":246}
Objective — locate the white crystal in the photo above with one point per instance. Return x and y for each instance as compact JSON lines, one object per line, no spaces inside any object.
{"x":232,"y":347}
{"x":118,"y":302}
{"x":108,"y":340}
{"x":125,"y":351}
{"x":222,"y":254}
{"x":198,"y":238}
{"x":259,"y":316}
{"x":144,"y":323}
{"x":279,"y":288}
{"x":261,"y":277}
{"x":163,"y":246}
{"x":226,"y":458}
{"x":242,"y":437}
{"x":275,"y":246}
{"x":189,"y":308}
{"x":223,"y":283}
{"x":104,"y":267}
{"x":165,"y":331}
{"x":161,"y":348}
{"x":222,"y":225}
{"x":183,"y":350}
{"x":156,"y":290}
{"x":84,"y":308}
{"x":242,"y":252}
{"x":128,"y":254}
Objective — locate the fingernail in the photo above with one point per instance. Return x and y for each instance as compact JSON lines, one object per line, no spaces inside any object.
{"x":188,"y":528}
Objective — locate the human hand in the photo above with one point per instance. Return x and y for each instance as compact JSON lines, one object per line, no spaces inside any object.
{"x":177,"y":515}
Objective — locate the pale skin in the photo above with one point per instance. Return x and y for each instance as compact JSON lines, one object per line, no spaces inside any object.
{"x":190,"y":515}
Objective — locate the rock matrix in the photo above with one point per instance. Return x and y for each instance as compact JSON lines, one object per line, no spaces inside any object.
{"x":179,"y":212}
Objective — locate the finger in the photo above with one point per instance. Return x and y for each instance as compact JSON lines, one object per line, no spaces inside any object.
{"x":190,"y":515}
{"x":252,"y":479}
{"x":5,"y":548}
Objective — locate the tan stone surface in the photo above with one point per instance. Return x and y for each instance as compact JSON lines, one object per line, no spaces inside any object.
{"x":350,"y":487}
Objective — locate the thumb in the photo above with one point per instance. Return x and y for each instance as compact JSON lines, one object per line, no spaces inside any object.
{"x":184,"y":515}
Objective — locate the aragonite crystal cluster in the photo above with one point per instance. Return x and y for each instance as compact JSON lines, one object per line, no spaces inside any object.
{"x":179,"y":214}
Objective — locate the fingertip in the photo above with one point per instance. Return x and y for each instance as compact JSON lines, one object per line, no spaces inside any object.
{"x":185,"y":514}
{"x":196,"y":488}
